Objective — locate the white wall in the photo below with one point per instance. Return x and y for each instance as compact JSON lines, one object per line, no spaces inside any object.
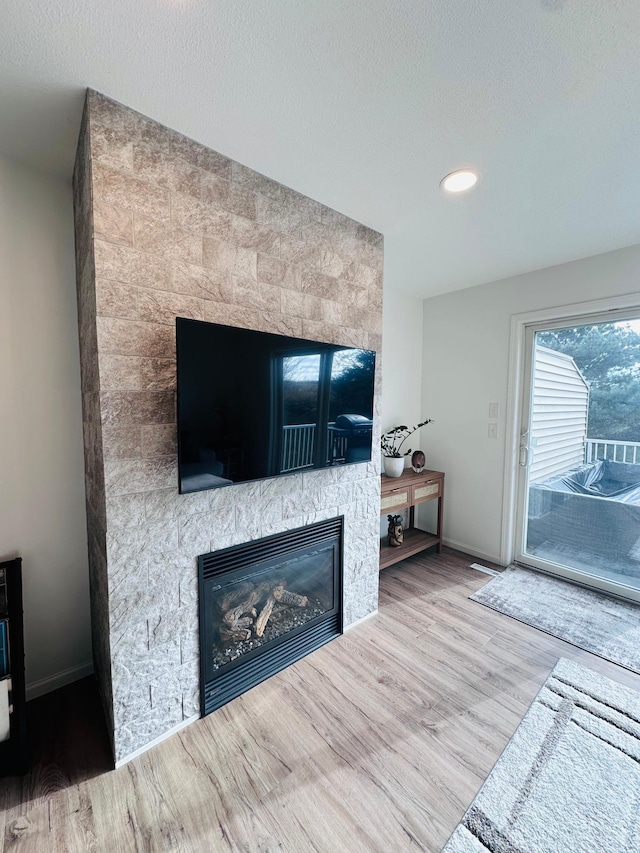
{"x":466,"y":355}
{"x":402,"y":363}
{"x":42,"y":514}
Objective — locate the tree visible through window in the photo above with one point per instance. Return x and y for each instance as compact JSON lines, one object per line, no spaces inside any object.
{"x":608,"y":356}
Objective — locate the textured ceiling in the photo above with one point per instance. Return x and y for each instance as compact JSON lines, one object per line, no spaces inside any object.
{"x":365,"y":105}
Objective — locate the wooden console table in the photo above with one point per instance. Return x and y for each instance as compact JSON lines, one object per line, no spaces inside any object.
{"x":398,"y":493}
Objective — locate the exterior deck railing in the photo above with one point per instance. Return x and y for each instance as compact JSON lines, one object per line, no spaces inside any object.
{"x":616,"y":451}
{"x":298,"y":446}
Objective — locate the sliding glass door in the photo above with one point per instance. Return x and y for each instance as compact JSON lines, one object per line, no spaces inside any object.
{"x":579,"y":484}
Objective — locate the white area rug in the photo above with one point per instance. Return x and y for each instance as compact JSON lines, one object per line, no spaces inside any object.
{"x":569,"y":779}
{"x":598,"y":623}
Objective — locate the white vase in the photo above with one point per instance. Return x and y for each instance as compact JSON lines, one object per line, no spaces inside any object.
{"x":393,"y":466}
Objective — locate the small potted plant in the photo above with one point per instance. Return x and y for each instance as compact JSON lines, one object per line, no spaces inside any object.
{"x":391,"y":445}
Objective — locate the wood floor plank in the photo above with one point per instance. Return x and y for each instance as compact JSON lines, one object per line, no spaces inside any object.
{"x":376,"y":742}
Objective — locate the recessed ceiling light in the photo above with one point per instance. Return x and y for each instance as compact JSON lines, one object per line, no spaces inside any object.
{"x":459,"y":181}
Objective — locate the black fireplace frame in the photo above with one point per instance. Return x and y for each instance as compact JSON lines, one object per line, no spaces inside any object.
{"x":238,"y":676}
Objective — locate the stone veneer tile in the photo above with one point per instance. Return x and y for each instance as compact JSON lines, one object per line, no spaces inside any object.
{"x":158,"y":306}
{"x":125,"y":510}
{"x":152,"y":164}
{"x":256,"y":182}
{"x":126,"y":607}
{"x":226,"y":257}
{"x":129,"y":476}
{"x":302,"y":305}
{"x":232,"y":315}
{"x":288,"y":485}
{"x":334,"y":313}
{"x":299,"y":504}
{"x":135,"y":734}
{"x":168,"y":504}
{"x":262,"y":297}
{"x":124,"y":337}
{"x":159,"y":440}
{"x":200,"y":218}
{"x":123,"y":408}
{"x":263,"y":510}
{"x":112,"y":147}
{"x":113,"y":224}
{"x":320,"y":285}
{"x":137,"y":373}
{"x":374,"y":342}
{"x":120,"y":263}
{"x":280,"y":324}
{"x":228,"y":539}
{"x":115,"y":299}
{"x":338,"y":221}
{"x":249,"y":235}
{"x":232,"y":197}
{"x":189,"y":590}
{"x":105,"y":113}
{"x":201,"y":282}
{"x":353,"y":295}
{"x":144,"y":541}
{"x":298,"y":521}
{"x":175,"y":565}
{"x":147,"y":664}
{"x":163,"y":628}
{"x":189,"y":638}
{"x":278,"y":216}
{"x":131,"y":703}
{"x":316,"y":330}
{"x":275,"y":271}
{"x":198,"y":155}
{"x":122,"y":442}
{"x":122,"y":190}
{"x":231,"y":495}
{"x":294,"y":249}
{"x":196,"y":531}
{"x":369,"y":255}
{"x":166,"y":240}
{"x":369,"y":235}
{"x":181,"y":680}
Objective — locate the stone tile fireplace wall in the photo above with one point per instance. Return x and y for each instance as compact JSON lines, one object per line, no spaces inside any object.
{"x":166,"y":227}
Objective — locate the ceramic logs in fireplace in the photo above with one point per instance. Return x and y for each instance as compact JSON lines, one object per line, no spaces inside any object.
{"x":266,"y":604}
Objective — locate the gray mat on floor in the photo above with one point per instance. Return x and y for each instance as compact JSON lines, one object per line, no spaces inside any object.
{"x":569,"y":779}
{"x":598,"y":623}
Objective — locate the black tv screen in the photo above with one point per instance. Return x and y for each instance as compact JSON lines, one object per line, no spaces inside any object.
{"x":253,"y":405}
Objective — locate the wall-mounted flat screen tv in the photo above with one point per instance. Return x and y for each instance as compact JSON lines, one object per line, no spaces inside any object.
{"x":253,"y":405}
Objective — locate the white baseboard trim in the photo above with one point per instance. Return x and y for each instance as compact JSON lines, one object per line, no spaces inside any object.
{"x":157,"y":740}
{"x":60,"y":679}
{"x":359,"y":621}
{"x":473,"y":552}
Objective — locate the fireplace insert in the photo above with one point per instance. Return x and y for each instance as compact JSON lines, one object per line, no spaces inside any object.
{"x":265,"y":605}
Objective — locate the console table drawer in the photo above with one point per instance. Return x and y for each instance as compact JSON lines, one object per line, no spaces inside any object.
{"x":399,"y":498}
{"x":426,"y":491}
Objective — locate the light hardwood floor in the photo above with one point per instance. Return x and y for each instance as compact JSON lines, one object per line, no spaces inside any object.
{"x":376,"y":742}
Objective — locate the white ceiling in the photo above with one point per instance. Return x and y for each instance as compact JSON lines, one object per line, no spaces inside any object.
{"x":366,"y":105}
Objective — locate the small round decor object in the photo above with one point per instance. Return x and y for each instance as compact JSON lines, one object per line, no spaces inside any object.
{"x":417,"y":461}
{"x":393,"y":466}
